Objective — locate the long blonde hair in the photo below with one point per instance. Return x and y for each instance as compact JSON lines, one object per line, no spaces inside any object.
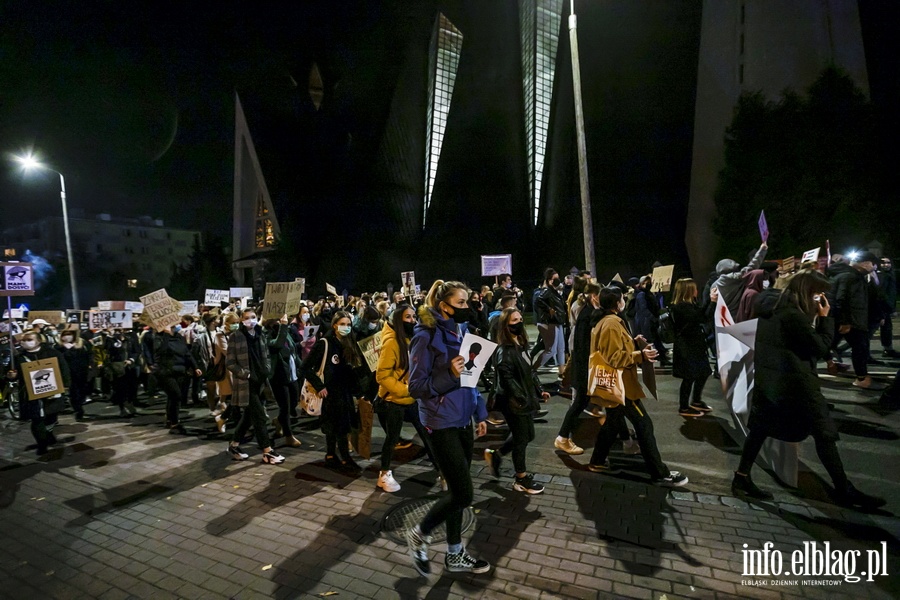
{"x":441,"y":290}
{"x":685,"y":291}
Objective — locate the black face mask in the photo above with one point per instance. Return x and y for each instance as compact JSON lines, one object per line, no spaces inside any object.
{"x":517,"y":328}
{"x":554,"y":283}
{"x":461,"y":315}
{"x":408,"y":329}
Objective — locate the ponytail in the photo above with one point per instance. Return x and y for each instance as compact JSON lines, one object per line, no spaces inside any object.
{"x":441,"y":290}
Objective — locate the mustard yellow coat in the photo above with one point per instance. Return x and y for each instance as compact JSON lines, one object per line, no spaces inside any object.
{"x":393,"y":382}
{"x":615,"y":344}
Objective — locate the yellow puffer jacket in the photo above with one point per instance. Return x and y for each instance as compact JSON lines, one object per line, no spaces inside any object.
{"x":393,"y":382}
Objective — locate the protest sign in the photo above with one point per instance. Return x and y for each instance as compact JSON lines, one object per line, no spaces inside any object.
{"x":330,"y":289}
{"x":309,"y":331}
{"x":662,"y":278}
{"x":135,"y":307}
{"x":106,"y":319}
{"x":189,"y":307}
{"x":763,"y":226}
{"x":787,"y":266}
{"x":43,"y":378}
{"x":240,"y":292}
{"x":371,"y":350}
{"x":54,"y":317}
{"x":302,"y":282}
{"x":17,"y":279}
{"x":811,"y":255}
{"x":160,"y":309}
{"x":282,"y":299}
{"x":618,"y":278}
{"x":215,"y":297}
{"x":477,"y":351}
{"x":496,"y":264}
{"x":408,"y":282}
{"x":17,"y":313}
{"x":104,"y":305}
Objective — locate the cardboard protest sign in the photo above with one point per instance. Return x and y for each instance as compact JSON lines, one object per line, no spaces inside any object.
{"x":240,"y":292}
{"x":408,"y":282}
{"x":189,"y":307}
{"x":302,"y":282}
{"x":54,"y":317}
{"x":810,"y":255}
{"x":282,"y":299}
{"x":215,"y":297}
{"x":662,"y":278}
{"x":106,"y":319}
{"x":105,"y":305}
{"x":160,"y":309}
{"x":496,"y":264}
{"x":17,"y":279}
{"x":17,"y":313}
{"x":787,"y":266}
{"x":763,"y":226}
{"x":736,"y":344}
{"x":43,"y":378}
{"x":618,"y":278}
{"x":477,"y":351}
{"x":330,"y":289}
{"x":371,"y":350}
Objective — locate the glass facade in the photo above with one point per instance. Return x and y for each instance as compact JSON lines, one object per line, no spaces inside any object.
{"x":265,"y":230}
{"x":539,"y":23}
{"x":443,"y":62}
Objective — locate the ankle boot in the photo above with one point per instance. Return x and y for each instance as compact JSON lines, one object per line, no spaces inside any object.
{"x":742,"y":485}
{"x":852,"y":497}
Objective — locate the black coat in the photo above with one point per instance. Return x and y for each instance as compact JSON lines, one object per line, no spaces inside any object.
{"x":690,"y":359}
{"x":849,"y":296}
{"x":550,"y":308}
{"x":515,"y":377}
{"x":581,"y":349}
{"x":172,"y":356}
{"x":787,"y":399}
{"x":31,"y":409}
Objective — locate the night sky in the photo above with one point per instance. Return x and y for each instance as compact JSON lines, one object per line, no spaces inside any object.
{"x":133,"y":102}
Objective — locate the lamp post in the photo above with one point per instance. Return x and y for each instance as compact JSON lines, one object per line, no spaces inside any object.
{"x":28,"y":163}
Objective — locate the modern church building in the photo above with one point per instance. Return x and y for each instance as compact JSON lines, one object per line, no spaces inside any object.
{"x":439,"y":131}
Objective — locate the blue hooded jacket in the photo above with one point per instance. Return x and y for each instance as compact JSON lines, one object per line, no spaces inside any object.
{"x":442,"y":402}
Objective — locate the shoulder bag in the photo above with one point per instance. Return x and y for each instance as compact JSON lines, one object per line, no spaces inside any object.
{"x":605,"y":385}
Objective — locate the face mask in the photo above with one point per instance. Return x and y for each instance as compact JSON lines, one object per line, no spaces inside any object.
{"x":766,"y":284}
{"x":250,"y":323}
{"x":304,"y":317}
{"x":408,"y":329}
{"x":68,"y":340}
{"x":461,"y":315}
{"x":233,"y":327}
{"x":30,"y":345}
{"x":554,"y":283}
{"x":343,"y":330}
{"x":176,"y":329}
{"x":372,"y":326}
{"x":68,"y":345}
{"x":517,"y":328}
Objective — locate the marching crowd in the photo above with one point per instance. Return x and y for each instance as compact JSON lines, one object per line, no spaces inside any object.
{"x":311,"y":361}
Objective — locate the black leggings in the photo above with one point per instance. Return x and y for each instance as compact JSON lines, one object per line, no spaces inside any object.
{"x":521,"y":433}
{"x":635,"y":412}
{"x":254,"y":413}
{"x":172,"y":386}
{"x":285,"y":396}
{"x":337,"y":442}
{"x":684,"y":393}
{"x":392,"y":418}
{"x":826,"y":448}
{"x":579,"y":403}
{"x":453,"y":450}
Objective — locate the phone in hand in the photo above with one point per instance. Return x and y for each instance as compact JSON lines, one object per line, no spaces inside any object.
{"x":820,"y":298}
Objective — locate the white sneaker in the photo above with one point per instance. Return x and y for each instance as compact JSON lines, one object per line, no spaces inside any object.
{"x":567,"y":446}
{"x":387,"y":482}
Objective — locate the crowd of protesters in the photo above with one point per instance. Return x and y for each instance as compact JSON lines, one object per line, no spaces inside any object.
{"x":243,"y":365}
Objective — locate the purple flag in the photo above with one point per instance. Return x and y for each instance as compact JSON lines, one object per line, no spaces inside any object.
{"x":763,"y":226}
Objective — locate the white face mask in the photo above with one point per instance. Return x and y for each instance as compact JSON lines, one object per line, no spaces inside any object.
{"x":68,"y":345}
{"x":30,"y":345}
{"x":304,"y":317}
{"x":250,"y":323}
{"x":766,"y":284}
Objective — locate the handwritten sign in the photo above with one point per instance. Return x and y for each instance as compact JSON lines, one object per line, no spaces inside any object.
{"x":662,"y":278}
{"x":189,"y":307}
{"x":109,"y":319}
{"x":240,"y":292}
{"x":160,"y":309}
{"x":216,"y":297}
{"x":371,"y":350}
{"x":330,"y":289}
{"x":282,"y":299}
{"x":496,"y":264}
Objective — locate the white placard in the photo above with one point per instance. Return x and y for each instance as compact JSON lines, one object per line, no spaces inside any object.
{"x":189,"y":307}
{"x":811,"y":255}
{"x":330,"y":289}
{"x":106,"y":319}
{"x":477,"y":351}
{"x":215,"y":297}
{"x":241,"y":292}
{"x":17,"y":279}
{"x":496,"y":264}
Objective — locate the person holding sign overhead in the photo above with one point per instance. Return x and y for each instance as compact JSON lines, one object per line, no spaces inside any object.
{"x":43,"y":413}
{"x":446,"y":410}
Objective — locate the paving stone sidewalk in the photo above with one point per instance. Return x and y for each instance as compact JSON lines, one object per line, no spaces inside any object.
{"x":122,"y":509}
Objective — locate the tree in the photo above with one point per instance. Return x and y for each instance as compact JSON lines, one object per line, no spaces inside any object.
{"x":810,"y":162}
{"x":208,"y":267}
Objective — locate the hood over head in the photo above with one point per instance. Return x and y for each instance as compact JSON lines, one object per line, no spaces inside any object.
{"x":754,"y":279}
{"x":726,"y":265}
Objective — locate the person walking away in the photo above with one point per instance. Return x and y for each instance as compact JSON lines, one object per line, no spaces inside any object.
{"x":392,"y":375}
{"x":551,"y":314}
{"x":228,"y":410}
{"x":446,"y":410}
{"x":79,"y":357}
{"x":690,"y":363}
{"x":617,"y":347}
{"x":337,"y":386}
{"x":123,"y":354}
{"x":43,"y":413}
{"x":793,"y":333}
{"x":173,"y":365}
{"x":850,"y":297}
{"x":250,"y":366}
{"x":285,"y":371}
{"x":517,"y":393}
{"x":730,"y":280}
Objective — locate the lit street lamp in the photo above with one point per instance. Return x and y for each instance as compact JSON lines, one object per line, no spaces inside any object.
{"x":29,"y":163}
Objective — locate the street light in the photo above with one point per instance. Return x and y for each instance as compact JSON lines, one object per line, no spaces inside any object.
{"x":29,"y":163}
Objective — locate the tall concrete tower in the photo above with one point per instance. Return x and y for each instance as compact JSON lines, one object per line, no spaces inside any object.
{"x":758,"y":45}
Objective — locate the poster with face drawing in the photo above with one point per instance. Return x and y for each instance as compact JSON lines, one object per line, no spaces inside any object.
{"x":477,"y":351}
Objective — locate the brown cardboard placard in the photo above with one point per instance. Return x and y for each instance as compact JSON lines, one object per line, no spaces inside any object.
{"x":43,"y":378}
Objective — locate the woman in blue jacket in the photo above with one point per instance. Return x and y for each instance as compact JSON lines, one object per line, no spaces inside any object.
{"x":446,"y":410}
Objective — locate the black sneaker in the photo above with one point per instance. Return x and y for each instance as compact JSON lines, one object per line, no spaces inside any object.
{"x":528,"y":485}
{"x":852,"y":497}
{"x":690,"y":412}
{"x":539,"y":414}
{"x":236,"y":453}
{"x":463,"y":562}
{"x":742,"y":485}
{"x":272,"y":458}
{"x":493,"y":459}
{"x":701,"y":406}
{"x":418,"y":550}
{"x":350,"y":465}
{"x":674,"y":479}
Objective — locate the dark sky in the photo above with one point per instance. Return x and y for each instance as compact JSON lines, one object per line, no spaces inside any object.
{"x":132,"y":101}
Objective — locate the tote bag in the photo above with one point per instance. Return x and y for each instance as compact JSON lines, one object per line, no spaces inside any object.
{"x":605,"y":385}
{"x":309,"y":398}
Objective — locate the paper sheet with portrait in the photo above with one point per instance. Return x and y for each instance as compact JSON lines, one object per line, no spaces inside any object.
{"x":477,"y":351}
